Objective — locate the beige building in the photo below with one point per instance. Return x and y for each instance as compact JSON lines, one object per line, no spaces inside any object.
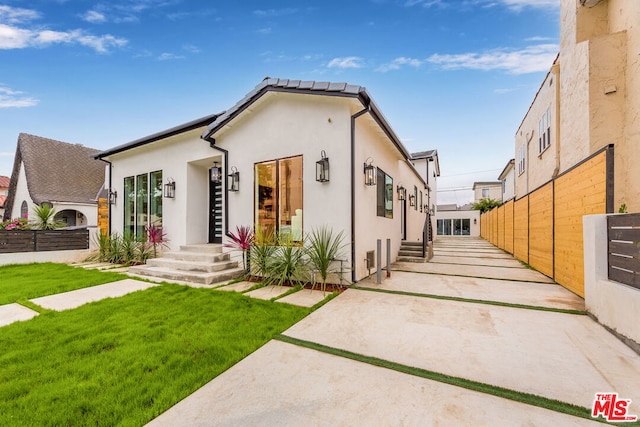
{"x":487,"y":190}
{"x":589,"y":99}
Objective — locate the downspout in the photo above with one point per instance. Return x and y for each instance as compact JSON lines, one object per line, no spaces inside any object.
{"x":556,"y":72}
{"x":353,"y":189}
{"x":108,"y":203}
{"x":225,"y":153}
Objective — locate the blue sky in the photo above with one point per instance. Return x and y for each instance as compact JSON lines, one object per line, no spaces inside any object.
{"x":453,"y":75}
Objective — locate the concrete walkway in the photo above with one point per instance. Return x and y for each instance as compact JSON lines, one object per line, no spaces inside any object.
{"x":418,"y":318}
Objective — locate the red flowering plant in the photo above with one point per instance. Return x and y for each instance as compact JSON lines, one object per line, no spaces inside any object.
{"x":156,"y":237}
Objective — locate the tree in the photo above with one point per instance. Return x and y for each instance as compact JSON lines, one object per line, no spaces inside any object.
{"x":484,"y":205}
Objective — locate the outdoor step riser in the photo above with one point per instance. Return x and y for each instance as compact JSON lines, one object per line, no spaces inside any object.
{"x":196,"y":257}
{"x":209,"y":249}
{"x":410,"y":253}
{"x":410,"y":259}
{"x":186,"y":266}
{"x":412,"y":244}
{"x":183,"y":276}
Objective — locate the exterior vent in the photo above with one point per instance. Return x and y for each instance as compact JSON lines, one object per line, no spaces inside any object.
{"x":589,"y":3}
{"x":371,"y":256}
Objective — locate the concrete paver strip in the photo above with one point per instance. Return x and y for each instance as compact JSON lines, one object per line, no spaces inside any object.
{"x":521,"y":274}
{"x":560,"y":356}
{"x":73,"y":299}
{"x":237,"y":287}
{"x":285,"y":385}
{"x":489,"y":262}
{"x":304,"y":297}
{"x":502,"y":255}
{"x":15,"y":312}
{"x":512,"y":292}
{"x":268,"y":292}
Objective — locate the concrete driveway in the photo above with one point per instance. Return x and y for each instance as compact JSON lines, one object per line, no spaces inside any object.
{"x":472,"y":313}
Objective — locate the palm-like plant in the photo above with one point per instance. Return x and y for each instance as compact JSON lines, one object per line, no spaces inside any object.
{"x":323,"y":248}
{"x":288,"y":262}
{"x":45,"y":218}
{"x":241,"y":240}
{"x":156,"y":237}
{"x":261,"y":255}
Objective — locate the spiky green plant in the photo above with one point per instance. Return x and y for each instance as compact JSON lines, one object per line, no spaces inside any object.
{"x":323,"y":248}
{"x":45,"y":218}
{"x":261,"y":255}
{"x":288,"y":262}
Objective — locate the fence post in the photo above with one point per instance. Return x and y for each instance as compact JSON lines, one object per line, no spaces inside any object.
{"x":388,"y":257}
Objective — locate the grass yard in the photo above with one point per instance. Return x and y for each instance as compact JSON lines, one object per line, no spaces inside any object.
{"x":23,"y":282}
{"x":124,"y":361}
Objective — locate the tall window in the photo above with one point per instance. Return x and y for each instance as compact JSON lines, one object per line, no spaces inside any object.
{"x":544,"y":131}
{"x":278,"y":204}
{"x":420,"y":201}
{"x":384,"y":194}
{"x":454,"y":227}
{"x":142,"y":202}
{"x":521,"y":159}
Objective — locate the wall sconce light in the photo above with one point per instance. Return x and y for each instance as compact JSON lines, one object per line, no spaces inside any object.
{"x":233,"y":182}
{"x":216,"y":173}
{"x":412,"y":200}
{"x":170,"y":189}
{"x":475,"y":221}
{"x":402,"y":192}
{"x":322,"y":168}
{"x":113,"y":195}
{"x":426,"y":208}
{"x":369,"y":172}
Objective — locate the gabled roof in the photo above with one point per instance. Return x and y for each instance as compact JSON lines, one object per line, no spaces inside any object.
{"x":487,"y":184}
{"x":306,"y":87}
{"x":56,"y":171}
{"x":510,"y":165}
{"x":4,"y":182}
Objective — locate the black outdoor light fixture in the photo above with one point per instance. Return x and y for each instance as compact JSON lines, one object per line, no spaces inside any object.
{"x":113,"y":195}
{"x":322,"y":168}
{"x":216,"y":173}
{"x":369,"y":172}
{"x":233,"y":183}
{"x":402,"y":192}
{"x":170,"y":189}
{"x":412,"y":200}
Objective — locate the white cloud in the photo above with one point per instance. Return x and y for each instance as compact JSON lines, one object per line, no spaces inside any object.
{"x":397,"y":63}
{"x":347,"y":62}
{"x":264,"y":31}
{"x":94,"y":17}
{"x":538,"y":39}
{"x":270,"y":13}
{"x":15,"y":99}
{"x":528,"y":60}
{"x":166,"y":56}
{"x":13,"y":37}
{"x":16,"y":15}
{"x":518,"y":5}
{"x":191,"y":48}
{"x":514,"y":5}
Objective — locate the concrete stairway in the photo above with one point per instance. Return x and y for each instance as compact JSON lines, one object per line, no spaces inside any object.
{"x":411,"y":252}
{"x":203,"y":264}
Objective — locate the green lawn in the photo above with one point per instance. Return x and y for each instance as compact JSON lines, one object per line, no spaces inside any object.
{"x":126,"y":360}
{"x":23,"y":282}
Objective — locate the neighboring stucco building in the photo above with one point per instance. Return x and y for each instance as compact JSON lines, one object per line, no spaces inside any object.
{"x":271,"y":144}
{"x":61,"y":174}
{"x":589,"y":99}
{"x":487,"y":190}
{"x":508,"y":179}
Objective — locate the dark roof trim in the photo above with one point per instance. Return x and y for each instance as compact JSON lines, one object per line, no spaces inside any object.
{"x":176,"y":130}
{"x":510,"y":164}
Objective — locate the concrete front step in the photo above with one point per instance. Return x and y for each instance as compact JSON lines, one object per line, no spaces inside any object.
{"x":405,"y":243}
{"x":210,"y":248}
{"x":185,"y":265}
{"x":411,"y":259}
{"x":203,"y":278}
{"x":197,"y":256}
{"x":412,"y":252}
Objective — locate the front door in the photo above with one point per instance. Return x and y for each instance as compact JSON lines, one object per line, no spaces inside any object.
{"x":215,"y":212}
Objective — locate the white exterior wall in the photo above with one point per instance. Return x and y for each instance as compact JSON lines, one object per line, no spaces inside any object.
{"x":89,"y":211}
{"x":22,"y":194}
{"x":614,"y":305}
{"x":509,"y":185}
{"x":495,"y":191}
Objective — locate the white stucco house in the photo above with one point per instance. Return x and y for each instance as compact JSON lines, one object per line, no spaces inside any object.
{"x":259,"y":164}
{"x":508,"y":179}
{"x":64,"y":175}
{"x":428,"y":166}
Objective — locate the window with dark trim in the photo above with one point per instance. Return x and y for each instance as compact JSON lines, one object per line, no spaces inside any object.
{"x":142,"y":202}
{"x":384,"y":194}
{"x":415,"y":198}
{"x":420,"y":201}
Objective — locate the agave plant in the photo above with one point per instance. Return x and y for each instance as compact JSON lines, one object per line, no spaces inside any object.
{"x":261,"y":255}
{"x":288,"y":262}
{"x":241,"y":240}
{"x":45,"y":218}
{"x":323,"y":248}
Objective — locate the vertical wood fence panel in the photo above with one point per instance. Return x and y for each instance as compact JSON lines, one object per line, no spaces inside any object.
{"x":578,"y":193}
{"x":521,"y":229}
{"x":541,"y":229}
{"x":500,"y":227}
{"x":508,"y":226}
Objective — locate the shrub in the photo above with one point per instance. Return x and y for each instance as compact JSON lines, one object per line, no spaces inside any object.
{"x":323,"y":248}
{"x":15,"y":224}
{"x":45,"y":218}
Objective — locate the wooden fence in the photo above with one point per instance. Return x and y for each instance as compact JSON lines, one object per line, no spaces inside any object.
{"x":623,"y":236}
{"x":43,"y":240}
{"x":544,"y":228}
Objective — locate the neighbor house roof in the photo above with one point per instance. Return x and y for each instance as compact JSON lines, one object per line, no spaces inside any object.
{"x":510,"y":165}
{"x":56,"y":171}
{"x":4,"y":181}
{"x":3,"y":199}
{"x":487,"y":184}
{"x":429,"y":154}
